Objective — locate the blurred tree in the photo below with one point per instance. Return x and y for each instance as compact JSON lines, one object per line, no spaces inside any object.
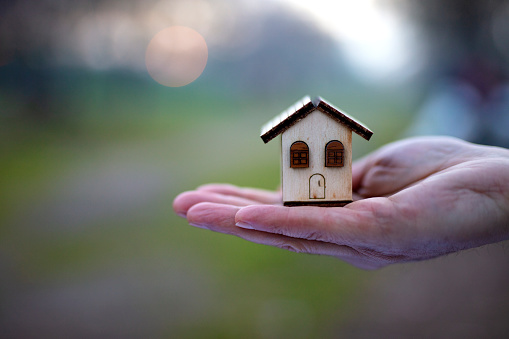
{"x":457,"y":31}
{"x":267,"y":51}
{"x":465,"y":62}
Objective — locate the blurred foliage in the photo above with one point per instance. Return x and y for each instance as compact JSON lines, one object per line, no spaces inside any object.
{"x":91,"y":159}
{"x":67,"y":218}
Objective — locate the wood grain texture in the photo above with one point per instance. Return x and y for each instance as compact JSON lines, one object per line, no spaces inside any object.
{"x":286,"y":119}
{"x":301,"y":109}
{"x":316,"y":131}
{"x":342,"y":117}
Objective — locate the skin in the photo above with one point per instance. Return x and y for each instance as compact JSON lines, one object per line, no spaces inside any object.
{"x":415,"y":199}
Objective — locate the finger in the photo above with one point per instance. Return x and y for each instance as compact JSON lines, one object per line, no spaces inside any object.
{"x":359,"y":168}
{"x":386,"y":176}
{"x":404,"y":163}
{"x":221,"y":218}
{"x":354,"y":225}
{"x":375,"y":175}
{"x":356,"y":196}
{"x":213,"y":216}
{"x":381,"y":174}
{"x":255,"y":194}
{"x":184,"y":201}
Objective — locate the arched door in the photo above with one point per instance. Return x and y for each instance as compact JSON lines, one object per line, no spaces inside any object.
{"x":317,"y":187}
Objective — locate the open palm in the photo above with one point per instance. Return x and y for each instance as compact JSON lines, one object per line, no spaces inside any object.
{"x":414,"y":199}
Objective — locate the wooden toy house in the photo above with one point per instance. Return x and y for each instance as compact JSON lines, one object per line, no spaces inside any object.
{"x":316,"y":152}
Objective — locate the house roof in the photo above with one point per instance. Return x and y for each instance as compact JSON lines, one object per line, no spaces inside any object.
{"x":301,"y":109}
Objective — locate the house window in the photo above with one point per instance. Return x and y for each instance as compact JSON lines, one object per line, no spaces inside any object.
{"x":334,"y":154}
{"x":299,"y":155}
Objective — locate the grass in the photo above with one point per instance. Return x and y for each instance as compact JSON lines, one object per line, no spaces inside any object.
{"x":233,"y":288}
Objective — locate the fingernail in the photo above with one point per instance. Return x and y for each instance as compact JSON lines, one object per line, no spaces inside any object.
{"x":199,"y":226}
{"x":245,"y":225}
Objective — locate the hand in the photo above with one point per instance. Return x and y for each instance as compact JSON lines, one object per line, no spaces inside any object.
{"x":414,"y":199}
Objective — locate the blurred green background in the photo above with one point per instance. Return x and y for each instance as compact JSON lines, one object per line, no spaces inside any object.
{"x":93,"y":151}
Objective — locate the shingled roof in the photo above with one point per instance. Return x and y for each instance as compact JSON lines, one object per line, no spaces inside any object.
{"x":301,"y":109}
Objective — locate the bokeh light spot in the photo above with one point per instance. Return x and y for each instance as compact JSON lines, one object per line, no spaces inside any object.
{"x":176,"y":56}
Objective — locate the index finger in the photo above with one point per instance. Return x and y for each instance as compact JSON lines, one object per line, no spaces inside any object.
{"x":255,"y":194}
